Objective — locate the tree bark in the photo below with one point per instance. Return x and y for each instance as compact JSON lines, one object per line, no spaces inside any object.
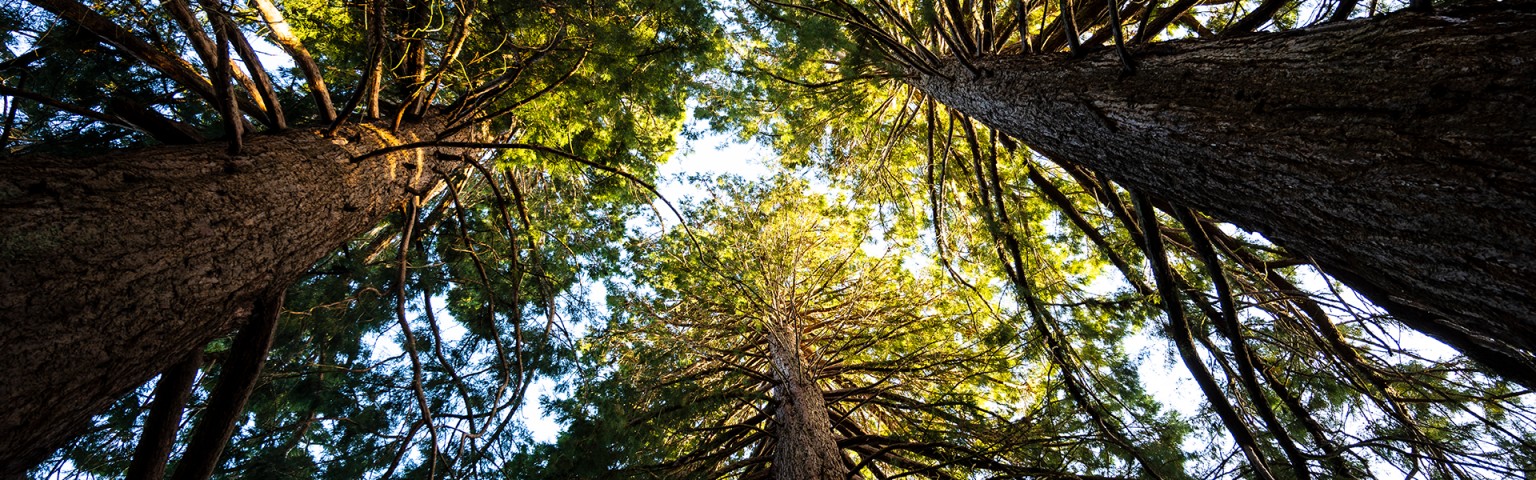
{"x":115,"y":266}
{"x":804,"y":448}
{"x":1397,"y":152}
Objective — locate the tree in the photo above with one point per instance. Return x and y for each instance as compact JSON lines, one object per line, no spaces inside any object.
{"x":1395,"y":152}
{"x":765,"y":342}
{"x":120,"y":264}
{"x":1296,"y":376}
{"x":1235,"y":311}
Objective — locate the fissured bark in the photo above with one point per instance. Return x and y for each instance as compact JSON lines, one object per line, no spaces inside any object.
{"x":114,"y":267}
{"x":804,"y":448}
{"x":1399,"y":153}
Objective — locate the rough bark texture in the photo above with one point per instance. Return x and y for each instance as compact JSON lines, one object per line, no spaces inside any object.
{"x":1400,"y":153}
{"x":113,"y":267}
{"x":804,"y":448}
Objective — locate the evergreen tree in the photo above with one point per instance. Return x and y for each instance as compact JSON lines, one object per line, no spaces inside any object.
{"x":1394,"y":152}
{"x":1276,"y":364}
{"x":133,"y":242}
{"x":766,"y":342}
{"x":173,"y":207}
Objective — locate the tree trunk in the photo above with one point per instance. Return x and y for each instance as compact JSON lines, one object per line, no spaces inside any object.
{"x":804,"y":448}
{"x":1397,"y":152}
{"x":115,"y":266}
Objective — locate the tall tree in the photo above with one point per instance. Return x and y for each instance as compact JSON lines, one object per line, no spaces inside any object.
{"x":1300,"y":380}
{"x":1262,"y":340}
{"x":1395,"y":152}
{"x":129,"y":241}
{"x":766,"y":342}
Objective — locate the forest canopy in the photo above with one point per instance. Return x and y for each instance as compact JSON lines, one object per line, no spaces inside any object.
{"x":998,"y":239}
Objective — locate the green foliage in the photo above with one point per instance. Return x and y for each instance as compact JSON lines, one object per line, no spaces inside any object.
{"x":679,"y":382}
{"x":1049,"y":233}
{"x":496,"y":263}
{"x":975,"y":306}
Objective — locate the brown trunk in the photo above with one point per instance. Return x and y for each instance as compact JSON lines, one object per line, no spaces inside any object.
{"x":1397,"y":152}
{"x":115,"y":266}
{"x":804,"y":448}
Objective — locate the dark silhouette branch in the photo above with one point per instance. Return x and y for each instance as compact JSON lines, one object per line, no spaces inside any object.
{"x":223,"y":69}
{"x":176,"y":69}
{"x":159,"y":433}
{"x":1179,"y":331}
{"x":70,"y":108}
{"x":1234,"y":332}
{"x":226,"y":405}
{"x":257,"y":83}
{"x":1257,"y":18}
{"x":145,"y":119}
{"x":411,"y":211}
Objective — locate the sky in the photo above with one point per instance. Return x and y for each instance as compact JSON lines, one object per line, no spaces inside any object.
{"x":1163,"y":374}
{"x":713,"y":153}
{"x":710,"y":154}
{"x":716,"y":154}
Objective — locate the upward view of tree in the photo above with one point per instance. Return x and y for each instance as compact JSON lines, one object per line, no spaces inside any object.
{"x":346,"y":239}
{"x":1394,"y":153}
{"x":130,"y":243}
{"x":778,"y":348}
{"x":1231,"y":307}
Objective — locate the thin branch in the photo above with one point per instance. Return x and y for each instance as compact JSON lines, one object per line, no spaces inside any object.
{"x":1149,"y":30}
{"x":1127,"y":66}
{"x":181,"y":12}
{"x":1065,"y":205}
{"x":145,"y":119}
{"x":377,"y":37}
{"x":1068,"y":19}
{"x":1343,"y":11}
{"x":10,"y":123}
{"x":66,"y":107}
{"x":515,"y":105}
{"x":1234,"y":332}
{"x":227,"y":107}
{"x":461,"y":32}
{"x":1179,"y":331}
{"x":442,"y":359}
{"x":1258,"y":17}
{"x":258,"y":84}
{"x":283,"y":36}
{"x":405,"y":329}
{"x":175,"y":68}
{"x":538,"y":148}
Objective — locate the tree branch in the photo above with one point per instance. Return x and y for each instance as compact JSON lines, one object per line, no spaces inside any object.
{"x":283,"y":36}
{"x":237,"y":379}
{"x":159,"y":433}
{"x":1178,"y":330}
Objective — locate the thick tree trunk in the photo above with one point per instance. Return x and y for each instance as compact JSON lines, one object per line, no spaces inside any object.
{"x":113,"y":267}
{"x":1400,"y":153}
{"x":804,"y":448}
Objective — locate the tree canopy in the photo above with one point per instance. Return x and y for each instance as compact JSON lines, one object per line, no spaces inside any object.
{"x":934,"y":282}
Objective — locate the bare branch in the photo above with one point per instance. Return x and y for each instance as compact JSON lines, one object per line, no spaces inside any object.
{"x":159,"y":435}
{"x":1179,"y":331}
{"x":239,"y":376}
{"x":258,"y":84}
{"x":283,"y":36}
